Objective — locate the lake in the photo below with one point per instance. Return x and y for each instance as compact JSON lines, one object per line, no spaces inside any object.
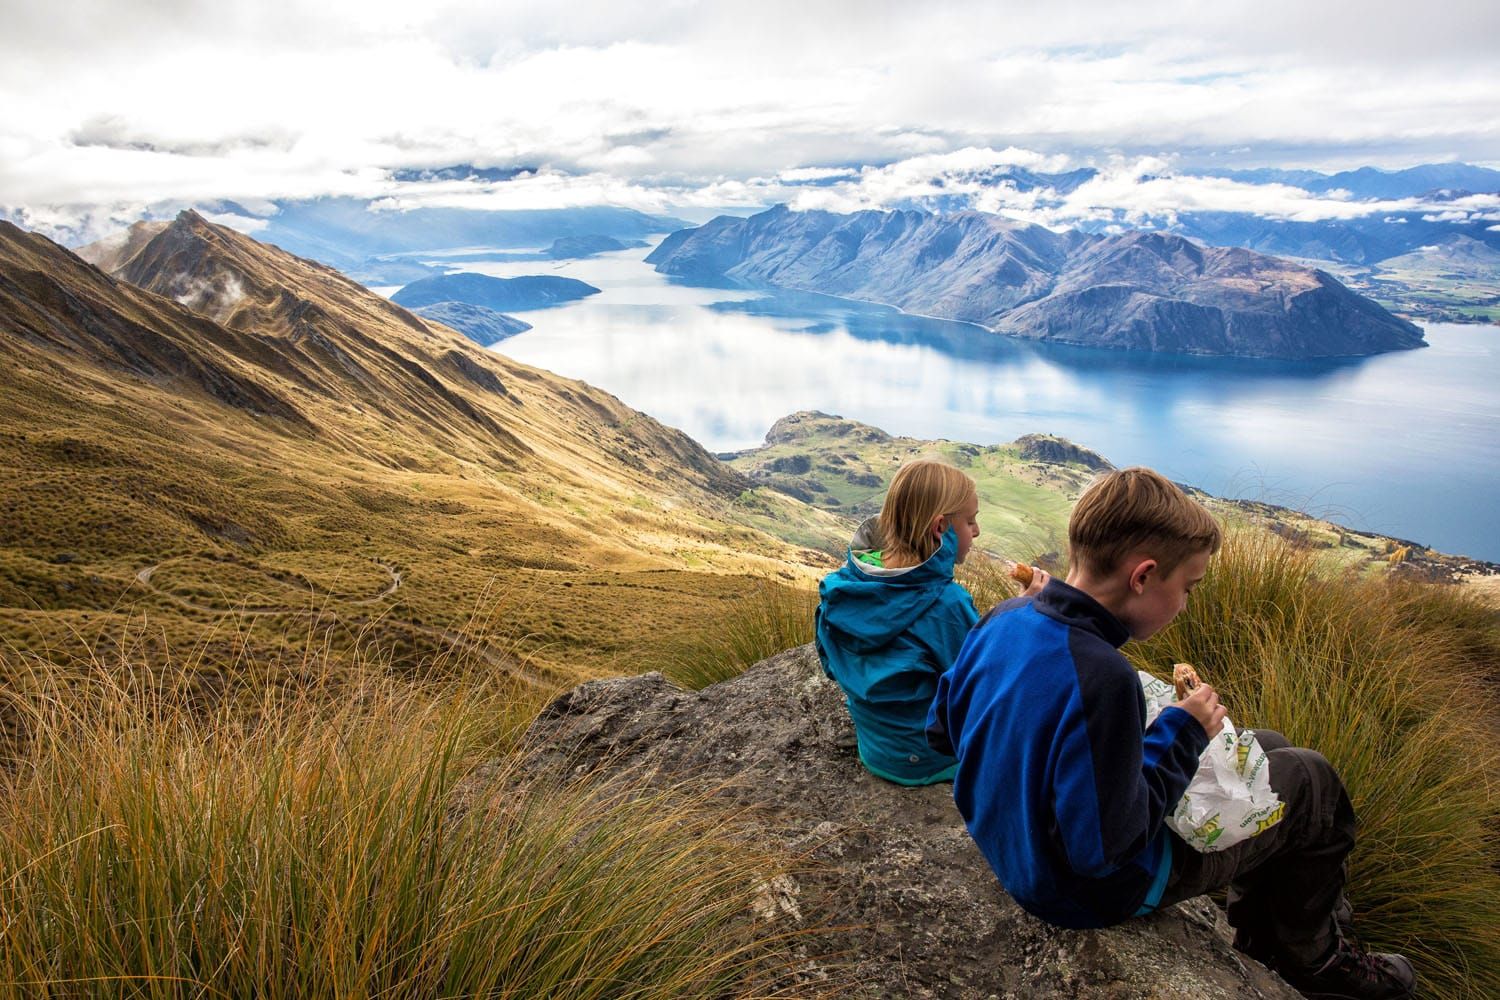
{"x":1404,"y":444}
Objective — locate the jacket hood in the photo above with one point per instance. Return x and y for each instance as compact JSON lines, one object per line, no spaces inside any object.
{"x":872,"y":606}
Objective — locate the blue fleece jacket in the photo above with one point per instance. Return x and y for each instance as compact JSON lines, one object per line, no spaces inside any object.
{"x":1062,"y":786}
{"x":885,"y":636}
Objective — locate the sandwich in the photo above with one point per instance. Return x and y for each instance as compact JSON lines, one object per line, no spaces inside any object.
{"x":1185,"y":678}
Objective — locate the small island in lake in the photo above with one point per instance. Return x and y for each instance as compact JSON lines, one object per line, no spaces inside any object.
{"x":500,"y":294}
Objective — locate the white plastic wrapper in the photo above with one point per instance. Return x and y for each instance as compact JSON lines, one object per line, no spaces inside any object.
{"x":1230,"y":799}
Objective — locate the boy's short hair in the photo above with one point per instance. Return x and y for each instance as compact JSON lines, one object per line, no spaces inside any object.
{"x":1138,"y":510}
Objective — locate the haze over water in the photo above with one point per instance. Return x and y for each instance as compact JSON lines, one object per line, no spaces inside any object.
{"x":1405,"y":444}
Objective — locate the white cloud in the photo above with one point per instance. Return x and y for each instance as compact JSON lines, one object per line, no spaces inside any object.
{"x":1136,"y":190}
{"x":802,"y":175}
{"x":103,"y":103}
{"x":243,"y":223}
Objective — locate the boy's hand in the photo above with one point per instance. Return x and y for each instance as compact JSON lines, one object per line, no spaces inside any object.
{"x":1203,"y":705}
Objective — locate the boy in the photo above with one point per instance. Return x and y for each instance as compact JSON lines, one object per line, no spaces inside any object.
{"x":1066,"y":791}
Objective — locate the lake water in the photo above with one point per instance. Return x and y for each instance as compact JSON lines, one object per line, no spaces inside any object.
{"x":1405,"y":444}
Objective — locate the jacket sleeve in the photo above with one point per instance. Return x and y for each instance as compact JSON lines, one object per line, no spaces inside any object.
{"x":958,"y":621}
{"x":1115,"y":786}
{"x":818,"y":630}
{"x":937,"y":718}
{"x":943,"y":629}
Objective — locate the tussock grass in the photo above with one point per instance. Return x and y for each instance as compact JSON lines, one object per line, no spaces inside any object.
{"x":1387,"y":680}
{"x":373,"y":843}
{"x":987,"y":580}
{"x":766,"y":619}
{"x":769,"y":618}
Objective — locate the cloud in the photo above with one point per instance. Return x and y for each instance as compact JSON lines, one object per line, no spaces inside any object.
{"x":103,"y":103}
{"x":241,"y":223}
{"x":215,"y":299}
{"x":1138,"y":191}
{"x":114,"y":132}
{"x":810,"y":175}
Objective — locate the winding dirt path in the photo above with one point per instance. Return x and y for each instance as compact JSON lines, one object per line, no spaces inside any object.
{"x":144,"y":579}
{"x":454,"y":640}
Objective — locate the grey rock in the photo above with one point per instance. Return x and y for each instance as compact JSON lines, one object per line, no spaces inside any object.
{"x":1054,"y":450}
{"x":915,"y":910}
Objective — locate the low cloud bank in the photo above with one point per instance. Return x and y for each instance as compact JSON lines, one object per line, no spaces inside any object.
{"x":1054,"y":190}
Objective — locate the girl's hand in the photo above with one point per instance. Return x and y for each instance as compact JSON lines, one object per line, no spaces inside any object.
{"x":1039,"y":579}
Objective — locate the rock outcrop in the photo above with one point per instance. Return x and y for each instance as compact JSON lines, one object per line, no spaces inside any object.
{"x":1053,"y":450}
{"x":481,"y":325}
{"x":915,"y":910}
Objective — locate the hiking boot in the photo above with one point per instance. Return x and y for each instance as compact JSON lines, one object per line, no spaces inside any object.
{"x":1343,"y":915}
{"x":1259,"y":943}
{"x":1353,"y":974}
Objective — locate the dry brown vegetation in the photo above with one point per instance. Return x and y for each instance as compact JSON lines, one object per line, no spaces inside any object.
{"x":358,"y":836}
{"x":293,"y":458}
{"x":239,"y":544}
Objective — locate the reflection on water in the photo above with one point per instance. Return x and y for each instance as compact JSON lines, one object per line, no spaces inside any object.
{"x":1403,"y":443}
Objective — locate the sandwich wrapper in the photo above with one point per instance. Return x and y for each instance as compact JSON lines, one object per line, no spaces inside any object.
{"x":1230,"y":799}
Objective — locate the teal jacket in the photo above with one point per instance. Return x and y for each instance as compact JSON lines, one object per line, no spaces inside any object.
{"x":885,"y":636}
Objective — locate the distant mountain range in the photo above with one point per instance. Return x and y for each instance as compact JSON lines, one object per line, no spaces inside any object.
{"x":1364,"y":183}
{"x":1139,"y":291}
{"x":353,"y":233}
{"x":1365,"y":239}
{"x":1369,"y":182}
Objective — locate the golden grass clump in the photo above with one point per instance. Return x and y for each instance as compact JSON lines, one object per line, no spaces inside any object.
{"x":380,"y":843}
{"x":987,"y":580}
{"x":768,"y":618}
{"x":1388,"y":680}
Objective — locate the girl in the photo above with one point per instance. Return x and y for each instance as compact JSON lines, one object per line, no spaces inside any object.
{"x":892,"y":618}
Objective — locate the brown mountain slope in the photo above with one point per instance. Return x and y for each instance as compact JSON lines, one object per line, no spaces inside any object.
{"x":269,"y":436}
{"x":1129,"y":291}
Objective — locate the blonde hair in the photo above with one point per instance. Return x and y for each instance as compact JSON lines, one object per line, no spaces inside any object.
{"x":921,"y":491}
{"x":1138,"y":510}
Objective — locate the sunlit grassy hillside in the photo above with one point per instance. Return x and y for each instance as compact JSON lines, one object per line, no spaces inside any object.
{"x":1026,"y":491}
{"x":265,"y":437}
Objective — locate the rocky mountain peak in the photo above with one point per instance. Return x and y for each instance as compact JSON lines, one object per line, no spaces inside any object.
{"x":1131,"y":291}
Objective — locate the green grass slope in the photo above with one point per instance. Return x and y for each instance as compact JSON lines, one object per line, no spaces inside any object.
{"x":1026,"y":491}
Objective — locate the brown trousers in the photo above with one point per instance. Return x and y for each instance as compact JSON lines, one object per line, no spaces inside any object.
{"x":1284,"y":884}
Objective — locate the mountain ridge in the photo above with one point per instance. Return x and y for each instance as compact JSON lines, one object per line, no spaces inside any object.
{"x":1133,"y":290}
{"x":161,"y":461}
